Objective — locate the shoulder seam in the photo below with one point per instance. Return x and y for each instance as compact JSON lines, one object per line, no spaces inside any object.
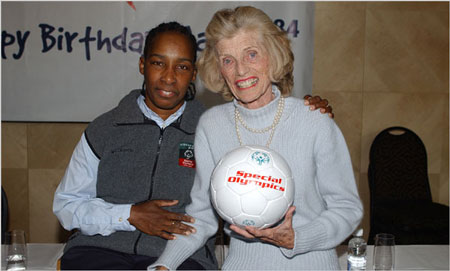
{"x":91,"y":146}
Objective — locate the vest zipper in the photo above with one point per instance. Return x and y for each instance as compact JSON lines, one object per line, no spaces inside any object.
{"x":161,"y":133}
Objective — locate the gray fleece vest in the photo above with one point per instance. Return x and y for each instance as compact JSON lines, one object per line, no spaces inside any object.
{"x":139,"y":161}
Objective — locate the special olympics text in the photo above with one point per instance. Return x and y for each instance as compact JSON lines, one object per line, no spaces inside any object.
{"x":246,"y":178}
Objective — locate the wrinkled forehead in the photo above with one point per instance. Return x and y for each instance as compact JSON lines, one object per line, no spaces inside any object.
{"x":240,"y":41}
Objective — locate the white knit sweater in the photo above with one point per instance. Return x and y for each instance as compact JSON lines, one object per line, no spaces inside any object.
{"x":328,"y":208}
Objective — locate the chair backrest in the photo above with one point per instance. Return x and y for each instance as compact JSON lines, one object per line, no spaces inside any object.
{"x":5,"y":215}
{"x":398,"y":167}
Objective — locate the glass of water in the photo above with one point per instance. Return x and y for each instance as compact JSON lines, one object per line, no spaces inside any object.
{"x":16,"y":255}
{"x":384,"y":252}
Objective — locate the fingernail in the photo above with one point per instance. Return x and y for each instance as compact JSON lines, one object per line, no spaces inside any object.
{"x":187,"y":232}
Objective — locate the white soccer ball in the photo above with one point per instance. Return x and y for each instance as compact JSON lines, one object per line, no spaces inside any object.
{"x":252,"y":186}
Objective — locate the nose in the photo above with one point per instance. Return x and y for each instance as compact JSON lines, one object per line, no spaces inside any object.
{"x":169,"y":76}
{"x":241,"y":68}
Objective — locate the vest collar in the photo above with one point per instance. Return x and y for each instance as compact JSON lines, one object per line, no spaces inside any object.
{"x":128,"y":113}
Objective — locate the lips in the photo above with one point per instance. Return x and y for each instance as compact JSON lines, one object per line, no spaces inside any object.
{"x":166,"y":93}
{"x":247,"y":83}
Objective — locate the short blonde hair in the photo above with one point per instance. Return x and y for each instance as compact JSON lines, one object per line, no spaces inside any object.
{"x":224,"y":25}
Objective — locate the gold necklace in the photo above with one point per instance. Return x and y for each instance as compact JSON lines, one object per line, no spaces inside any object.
{"x":271,"y":128}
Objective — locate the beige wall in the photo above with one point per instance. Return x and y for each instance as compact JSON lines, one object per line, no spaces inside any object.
{"x":379,"y":65}
{"x":34,"y":158}
{"x":386,"y":64}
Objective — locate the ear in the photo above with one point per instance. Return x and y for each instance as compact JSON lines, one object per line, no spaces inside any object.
{"x":142,"y":65}
{"x":194,"y":75}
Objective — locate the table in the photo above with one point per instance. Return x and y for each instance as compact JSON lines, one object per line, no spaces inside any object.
{"x":407,"y":257}
{"x":41,"y":256}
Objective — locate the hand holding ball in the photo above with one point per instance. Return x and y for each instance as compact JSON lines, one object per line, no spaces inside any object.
{"x":252,"y":186}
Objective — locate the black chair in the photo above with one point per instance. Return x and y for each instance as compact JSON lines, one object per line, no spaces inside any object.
{"x":5,"y":215}
{"x":400,"y":196}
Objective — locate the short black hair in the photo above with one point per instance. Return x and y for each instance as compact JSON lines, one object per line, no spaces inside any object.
{"x":170,"y":27}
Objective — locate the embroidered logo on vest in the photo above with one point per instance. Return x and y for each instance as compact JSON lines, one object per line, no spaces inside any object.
{"x":186,"y":155}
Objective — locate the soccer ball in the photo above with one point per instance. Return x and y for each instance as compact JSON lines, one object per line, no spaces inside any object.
{"x":252,"y":186}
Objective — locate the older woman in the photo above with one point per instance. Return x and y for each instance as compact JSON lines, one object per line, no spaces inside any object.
{"x":248,"y":59}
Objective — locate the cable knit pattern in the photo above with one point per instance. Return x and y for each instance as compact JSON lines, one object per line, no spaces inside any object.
{"x":328,"y":208}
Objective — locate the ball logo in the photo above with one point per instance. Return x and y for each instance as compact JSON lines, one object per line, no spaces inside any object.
{"x":260,"y":158}
{"x":247,"y":222}
{"x":264,"y":181}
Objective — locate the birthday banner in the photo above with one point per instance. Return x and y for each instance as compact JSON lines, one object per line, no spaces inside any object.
{"x":71,"y":61}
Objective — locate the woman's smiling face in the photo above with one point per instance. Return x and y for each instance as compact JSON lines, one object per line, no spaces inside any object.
{"x":244,"y":64}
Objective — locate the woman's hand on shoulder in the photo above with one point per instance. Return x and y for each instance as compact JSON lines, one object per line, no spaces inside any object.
{"x":317,"y":102}
{"x":282,"y":235}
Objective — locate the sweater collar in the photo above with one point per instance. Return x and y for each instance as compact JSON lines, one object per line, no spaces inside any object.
{"x":260,"y":117}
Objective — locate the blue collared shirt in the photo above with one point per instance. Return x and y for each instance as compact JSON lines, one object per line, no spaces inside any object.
{"x":75,"y":202}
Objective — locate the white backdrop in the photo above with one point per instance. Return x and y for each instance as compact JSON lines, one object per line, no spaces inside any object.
{"x":72,"y":61}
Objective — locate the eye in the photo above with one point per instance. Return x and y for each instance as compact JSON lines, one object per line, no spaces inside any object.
{"x":156,"y":63}
{"x":252,"y":54}
{"x":226,"y":61}
{"x":184,"y":67}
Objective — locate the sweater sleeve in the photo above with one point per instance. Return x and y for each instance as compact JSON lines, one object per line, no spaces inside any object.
{"x":206,"y":223}
{"x":336,"y":185}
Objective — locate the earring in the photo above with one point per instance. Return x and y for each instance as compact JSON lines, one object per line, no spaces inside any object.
{"x":143,"y":89}
{"x":190,"y":94}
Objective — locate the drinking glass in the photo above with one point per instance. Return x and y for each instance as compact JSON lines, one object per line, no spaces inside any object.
{"x":384,"y":252}
{"x":16,"y":256}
